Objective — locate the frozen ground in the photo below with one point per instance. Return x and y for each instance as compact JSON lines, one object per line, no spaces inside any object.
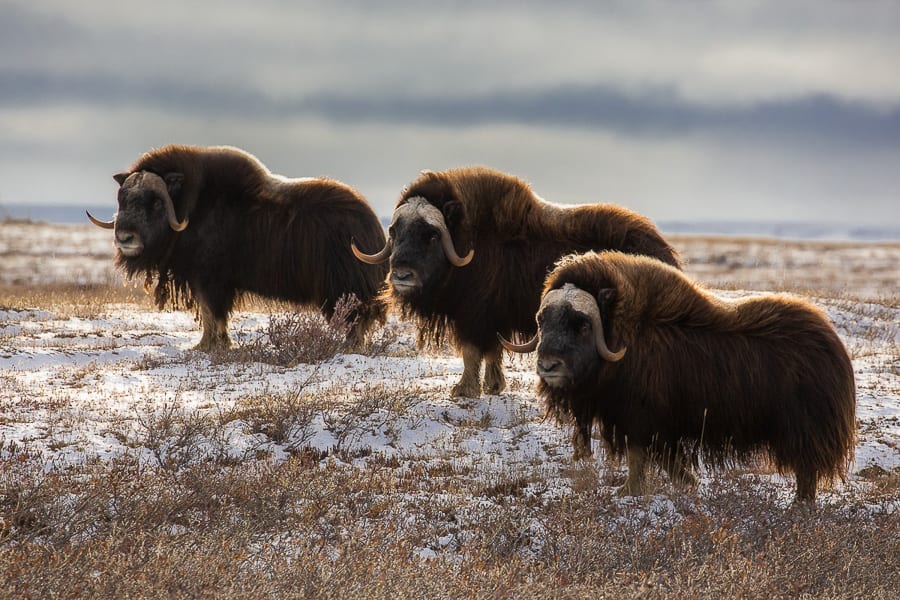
{"x":76,"y":389}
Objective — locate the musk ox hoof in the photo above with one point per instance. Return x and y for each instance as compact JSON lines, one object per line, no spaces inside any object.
{"x":631,"y":489}
{"x":216,"y":344}
{"x":803,"y":507}
{"x":494,"y":380}
{"x":466,"y":389}
{"x":494,"y":388}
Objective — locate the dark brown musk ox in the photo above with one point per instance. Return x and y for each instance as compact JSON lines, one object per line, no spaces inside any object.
{"x":469,"y":249}
{"x":207,"y":224}
{"x":674,"y":374}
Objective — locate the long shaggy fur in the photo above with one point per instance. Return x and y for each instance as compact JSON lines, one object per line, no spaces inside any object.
{"x":251,"y":231}
{"x":517,"y":237}
{"x":722,"y":380}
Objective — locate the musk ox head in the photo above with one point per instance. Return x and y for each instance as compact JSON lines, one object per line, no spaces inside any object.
{"x":146,"y":216}
{"x":419,"y":247}
{"x":570,"y":342}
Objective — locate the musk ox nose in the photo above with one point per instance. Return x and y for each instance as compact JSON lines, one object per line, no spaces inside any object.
{"x":549,"y":366}
{"x":128,"y":242}
{"x":125,"y":238}
{"x":404,"y":279}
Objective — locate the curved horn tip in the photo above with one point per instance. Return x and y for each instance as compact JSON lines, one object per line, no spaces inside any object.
{"x":371,"y":259}
{"x":461,"y":262}
{"x":524,"y":348}
{"x":180,"y":226}
{"x":615,"y":356}
{"x":99,"y":223}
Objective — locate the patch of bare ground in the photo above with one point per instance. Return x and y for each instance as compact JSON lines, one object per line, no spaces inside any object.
{"x":867,"y":271}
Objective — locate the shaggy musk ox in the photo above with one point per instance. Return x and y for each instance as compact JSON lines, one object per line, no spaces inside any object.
{"x":469,"y":249}
{"x":673,"y":373}
{"x":207,"y":224}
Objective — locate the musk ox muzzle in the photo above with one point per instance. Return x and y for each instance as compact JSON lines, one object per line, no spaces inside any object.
{"x":579,"y":301}
{"x":421,"y":209}
{"x":141,"y":180}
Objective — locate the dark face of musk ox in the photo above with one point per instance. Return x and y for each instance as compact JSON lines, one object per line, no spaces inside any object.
{"x":572,"y":343}
{"x":142,"y":225}
{"x":566,"y":354}
{"x":418,"y":262}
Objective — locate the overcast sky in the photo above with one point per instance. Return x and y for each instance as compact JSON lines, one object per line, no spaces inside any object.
{"x":766,"y":111}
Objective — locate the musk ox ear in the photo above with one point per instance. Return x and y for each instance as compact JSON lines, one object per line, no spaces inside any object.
{"x":606,"y":300}
{"x":453,"y":213}
{"x":121,"y":177}
{"x":173,"y":183}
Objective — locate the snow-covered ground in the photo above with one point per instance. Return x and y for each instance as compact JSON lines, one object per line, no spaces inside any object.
{"x":76,"y":389}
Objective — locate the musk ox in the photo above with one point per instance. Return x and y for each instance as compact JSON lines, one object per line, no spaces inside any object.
{"x":469,"y":249}
{"x":672,"y":373}
{"x":208,"y":224}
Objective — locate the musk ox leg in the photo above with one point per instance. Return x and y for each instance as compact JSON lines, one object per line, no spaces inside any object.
{"x":469,"y":385}
{"x":637,"y":462}
{"x":677,"y":466}
{"x":806,"y":487}
{"x":494,"y":380}
{"x":356,"y":337}
{"x":215,"y":331}
{"x":356,"y":315}
{"x":581,"y":440}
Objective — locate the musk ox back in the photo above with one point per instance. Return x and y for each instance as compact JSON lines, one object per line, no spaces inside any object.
{"x":204,"y":225}
{"x":469,"y":249}
{"x":673,"y":373}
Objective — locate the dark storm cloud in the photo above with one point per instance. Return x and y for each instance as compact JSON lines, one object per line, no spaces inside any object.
{"x":653,"y":113}
{"x":30,"y":88}
{"x":657,"y":113}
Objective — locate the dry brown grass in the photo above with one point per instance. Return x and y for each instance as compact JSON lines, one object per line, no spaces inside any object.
{"x":310,"y":526}
{"x":72,"y":300}
{"x":183,"y":514}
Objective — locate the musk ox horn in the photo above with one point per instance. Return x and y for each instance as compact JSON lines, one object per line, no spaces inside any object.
{"x":435,"y":217}
{"x":174,"y":223}
{"x":600,"y":339}
{"x":99,"y":223}
{"x":372,"y":259}
{"x":585,"y":303}
{"x":528,"y":346}
{"x":450,"y":251}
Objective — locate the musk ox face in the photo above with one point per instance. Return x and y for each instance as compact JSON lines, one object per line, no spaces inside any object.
{"x":571,"y":342}
{"x":146,"y":218}
{"x":566,"y":354}
{"x":417,"y":258}
{"x":419,"y":247}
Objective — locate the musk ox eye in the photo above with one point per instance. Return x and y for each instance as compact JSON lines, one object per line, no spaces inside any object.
{"x":584,"y":328}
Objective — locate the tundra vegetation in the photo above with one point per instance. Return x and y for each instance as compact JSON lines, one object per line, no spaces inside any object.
{"x":131,"y":465}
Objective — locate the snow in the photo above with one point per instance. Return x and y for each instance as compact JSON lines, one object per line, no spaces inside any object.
{"x":76,"y":389}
